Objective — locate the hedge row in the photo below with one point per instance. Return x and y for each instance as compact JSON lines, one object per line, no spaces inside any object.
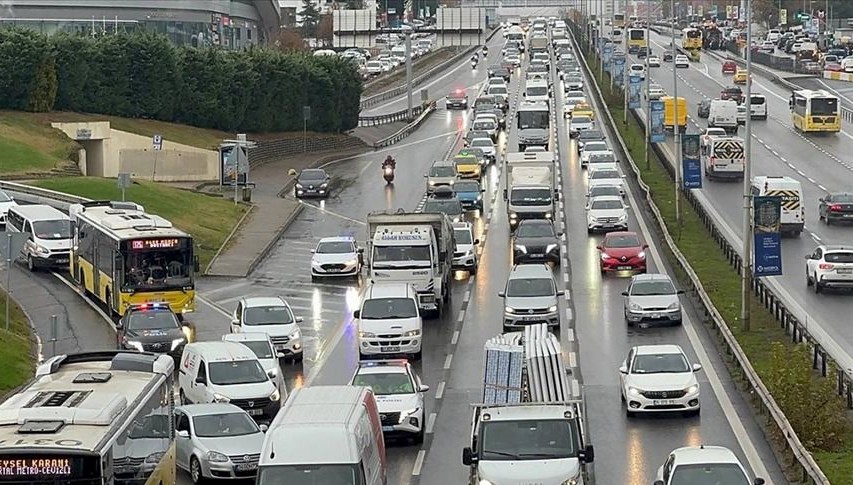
{"x":142,"y":75}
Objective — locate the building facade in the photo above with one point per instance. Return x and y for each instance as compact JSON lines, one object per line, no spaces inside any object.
{"x":231,"y":24}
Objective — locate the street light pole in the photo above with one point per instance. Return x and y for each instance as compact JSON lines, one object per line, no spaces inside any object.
{"x":675,"y":130}
{"x":648,"y":81}
{"x":746,"y":257}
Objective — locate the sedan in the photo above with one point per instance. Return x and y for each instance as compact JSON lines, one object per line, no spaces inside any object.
{"x":312,"y":182}
{"x":457,"y":100}
{"x":667,"y":56}
{"x":652,"y":298}
{"x":656,"y":91}
{"x":606,"y":213}
{"x":443,"y":201}
{"x":487,"y":146}
{"x":659,"y":378}
{"x":399,"y":396}
{"x":622,"y":251}
{"x":217,"y":440}
{"x":704,"y":108}
{"x":740,"y":77}
{"x":833,"y":67}
{"x":590,"y":148}
{"x":837,"y":207}
{"x":587,"y":136}
{"x":336,"y":256}
{"x":573,"y":83}
{"x":470,"y":194}
{"x":654,"y":61}
{"x":682,"y":61}
{"x":499,"y":71}
{"x":535,"y":240}
{"x":606,"y":176}
{"x":729,"y":67}
{"x":579,"y":124}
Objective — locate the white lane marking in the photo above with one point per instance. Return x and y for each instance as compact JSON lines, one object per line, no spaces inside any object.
{"x":461,"y":316}
{"x":439,"y":392}
{"x":573,"y":360}
{"x":467,"y":296}
{"x":89,"y":302}
{"x":576,"y":388}
{"x":430,"y":423}
{"x":331,"y":213}
{"x":448,"y":360}
{"x":570,"y":334}
{"x":215,"y":306}
{"x":743,"y":438}
{"x":419,"y":462}
{"x":565,"y":277}
{"x":455,"y":339}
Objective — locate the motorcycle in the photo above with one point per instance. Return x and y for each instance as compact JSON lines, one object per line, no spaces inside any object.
{"x":388,"y":174}
{"x":473,"y":64}
{"x":485,"y":51}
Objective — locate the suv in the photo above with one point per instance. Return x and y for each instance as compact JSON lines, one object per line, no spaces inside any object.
{"x":465,"y":254}
{"x":389,"y":322}
{"x":530,"y":297}
{"x":440,"y":174}
{"x":830,"y":267}
{"x":733,"y":93}
{"x":652,"y":298}
{"x":274,"y":317}
{"x":457,"y":99}
{"x":399,"y":396}
{"x":151,"y":327}
{"x":715,"y":464}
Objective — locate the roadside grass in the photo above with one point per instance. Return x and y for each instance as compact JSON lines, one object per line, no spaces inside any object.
{"x":720,"y":280}
{"x":208,"y":219}
{"x":17,"y":360}
{"x":30,"y":146}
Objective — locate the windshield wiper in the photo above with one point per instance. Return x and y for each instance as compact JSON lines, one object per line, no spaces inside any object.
{"x":501,"y":453}
{"x":541,"y":455}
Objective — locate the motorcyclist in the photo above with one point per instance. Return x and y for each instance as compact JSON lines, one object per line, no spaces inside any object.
{"x":475,"y":58}
{"x":485,"y":51}
{"x":389,"y":162}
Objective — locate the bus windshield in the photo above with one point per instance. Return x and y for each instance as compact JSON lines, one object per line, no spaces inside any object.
{"x":824,"y":106}
{"x":534,"y":119}
{"x":637,"y":34}
{"x":156,"y":265}
{"x":346,"y":474}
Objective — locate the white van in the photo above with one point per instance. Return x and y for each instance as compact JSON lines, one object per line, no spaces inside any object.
{"x":274,"y":317}
{"x":389,"y":322}
{"x":723,"y":114}
{"x":791,"y":191}
{"x":537,"y":90}
{"x":758,"y":106}
{"x":325,"y":434}
{"x":262,"y":346}
{"x":49,"y":235}
{"x":847,"y":64}
{"x":227,"y":372}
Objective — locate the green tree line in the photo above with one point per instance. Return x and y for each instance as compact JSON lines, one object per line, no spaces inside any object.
{"x":142,"y":75}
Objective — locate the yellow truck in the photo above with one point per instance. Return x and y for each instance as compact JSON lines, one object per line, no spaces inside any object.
{"x":467,"y":165}
{"x":669,"y":113}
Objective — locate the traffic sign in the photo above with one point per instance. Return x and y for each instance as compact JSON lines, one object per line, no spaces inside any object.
{"x":157,"y":141}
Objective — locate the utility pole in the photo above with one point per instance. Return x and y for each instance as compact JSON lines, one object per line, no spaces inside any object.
{"x":675,"y":130}
{"x":746,"y":257}
{"x":409,"y":62}
{"x":648,"y":82}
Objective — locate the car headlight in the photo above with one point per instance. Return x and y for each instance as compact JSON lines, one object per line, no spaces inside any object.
{"x":295,"y":334}
{"x":521,"y":248}
{"x":351,"y":262}
{"x":513,"y":215}
{"x":479,"y":198}
{"x":220,"y":398}
{"x":641,"y":255}
{"x":275,"y":396}
{"x":155,"y":457}
{"x":178,"y":342}
{"x":135,"y":344}
{"x":509,"y":309}
{"x":366,"y":334}
{"x":635,"y":307}
{"x":623,"y":217}
{"x":405,"y":414}
{"x":216,"y":457}
{"x":486,"y":482}
{"x":452,"y":182}
{"x":633,"y":391}
{"x":575,"y":480}
{"x":324,"y":185}
{"x":550,"y":248}
{"x":298,"y":186}
{"x":605,"y":256}
{"x":693,"y":389}
{"x":315,"y":264}
{"x":592,"y":219}
{"x":42,"y":249}
{"x":673,"y":306}
{"x":431,"y":182}
{"x":552,"y":308}
{"x":548,"y":215}
{"x":412,"y":333}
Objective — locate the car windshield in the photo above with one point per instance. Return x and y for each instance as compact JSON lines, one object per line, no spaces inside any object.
{"x":322,"y":474}
{"x":4,"y":197}
{"x":385,"y":308}
{"x":530,"y":197}
{"x":606,"y":204}
{"x":450,"y":207}
{"x":533,"y":119}
{"x":595,"y":147}
{"x":660,"y":363}
{"x":222,"y":425}
{"x":708,"y":474}
{"x":528,"y":439}
{"x":537,"y":91}
{"x":261,"y":348}
{"x":622,"y":241}
{"x":497,"y":90}
{"x":845,"y":198}
{"x":335,"y":247}
{"x":237,"y":372}
{"x":604,"y":174}
{"x":152,"y":320}
{"x":466,"y":186}
{"x":529,"y":287}
{"x":602,"y":158}
{"x":312,"y":175}
{"x":484,"y":125}
{"x":838,"y":257}
{"x":574,"y":79}
{"x":824,"y":106}
{"x":52,"y":230}
{"x":526,"y":229}
{"x":580,"y":120}
{"x":442,"y":171}
{"x":600,"y":190}
{"x":267,"y":315}
{"x":652,"y":288}
{"x":386,"y":384}
{"x":462,"y":236}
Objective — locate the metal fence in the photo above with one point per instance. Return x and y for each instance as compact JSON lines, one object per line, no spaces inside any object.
{"x":795,"y":452}
{"x":402,"y":115}
{"x":407,"y":130}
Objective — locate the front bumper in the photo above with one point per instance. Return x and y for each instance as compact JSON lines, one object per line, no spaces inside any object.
{"x":470,"y":173}
{"x":638,"y":402}
{"x":395,"y":424}
{"x":633,"y":264}
{"x":396,"y":345}
{"x":52,"y":260}
{"x":290,"y":347}
{"x":653,"y":316}
{"x":309,"y":192}
{"x":522,"y":319}
{"x":334,"y":270}
{"x":594,"y":226}
{"x":465,"y":261}
{"x":536,"y":255}
{"x":471,"y":204}
{"x":456,"y":105}
{"x":236,"y":468}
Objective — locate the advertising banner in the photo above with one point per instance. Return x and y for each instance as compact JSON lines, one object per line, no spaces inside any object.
{"x":691,"y":173}
{"x":234,"y":165}
{"x":657,"y":134}
{"x":735,"y":12}
{"x":729,"y":12}
{"x":783,"y":16}
{"x":635,"y":84}
{"x":766,"y":229}
{"x":618,"y":70}
{"x":608,"y":54}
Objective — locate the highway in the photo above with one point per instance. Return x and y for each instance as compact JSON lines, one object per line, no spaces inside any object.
{"x":820,"y":162}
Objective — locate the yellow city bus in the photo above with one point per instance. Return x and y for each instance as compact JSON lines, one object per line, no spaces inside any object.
{"x":92,"y":418}
{"x":636,"y":40}
{"x":123,"y":257}
{"x":815,"y":111}
{"x":619,"y":20}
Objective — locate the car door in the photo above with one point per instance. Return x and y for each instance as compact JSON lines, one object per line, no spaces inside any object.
{"x":237,"y":319}
{"x":823,"y":204}
{"x":815,"y":259}
{"x":183,"y":445}
{"x":198,"y":391}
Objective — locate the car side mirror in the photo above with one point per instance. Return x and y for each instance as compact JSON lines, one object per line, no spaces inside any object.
{"x":560,"y":234}
{"x":600,"y":248}
{"x":201,"y":380}
{"x":561,"y":293}
{"x":312,"y":251}
{"x":504,"y":194}
{"x":468,"y":458}
{"x":423,"y":388}
{"x":299,"y":319}
{"x":502,"y":294}
{"x":182,"y":433}
{"x":645,"y":246}
{"x":623,"y":369}
{"x":679,"y":292}
{"x":588,"y":454}
{"x":697,"y":367}
{"x":360,"y":251}
{"x":807,"y":256}
{"x":263,"y":428}
{"x":119,"y":325}
{"x":758,"y":481}
{"x":425,"y":175}
{"x":271,"y":374}
{"x":356,"y":314}
{"x":624,"y":293}
{"x":476,"y":242}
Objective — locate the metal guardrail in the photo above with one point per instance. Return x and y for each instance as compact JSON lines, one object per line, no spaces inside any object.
{"x":402,"y":115}
{"x":810,"y":471}
{"x":42,"y":196}
{"x":408,"y":129}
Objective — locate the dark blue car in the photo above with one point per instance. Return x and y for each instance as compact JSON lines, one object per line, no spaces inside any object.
{"x":469,"y":193}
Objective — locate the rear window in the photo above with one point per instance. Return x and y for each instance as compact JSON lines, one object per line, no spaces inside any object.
{"x":838,"y":257}
{"x":757,"y":100}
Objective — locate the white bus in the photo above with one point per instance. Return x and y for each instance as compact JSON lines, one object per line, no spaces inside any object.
{"x":91,"y":419}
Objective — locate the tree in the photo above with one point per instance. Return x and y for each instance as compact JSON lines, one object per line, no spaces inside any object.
{"x":43,"y":91}
{"x":290,"y":40}
{"x":310,"y":16}
{"x":325,"y":30}
{"x":355,"y":4}
{"x":765,"y":12}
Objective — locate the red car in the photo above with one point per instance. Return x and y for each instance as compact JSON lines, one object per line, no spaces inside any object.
{"x":622,"y":251}
{"x":729,"y":67}
{"x":832,"y":66}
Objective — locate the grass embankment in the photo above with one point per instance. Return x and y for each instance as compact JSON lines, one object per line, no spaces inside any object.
{"x":17,"y":359}
{"x":809,"y":401}
{"x":208,"y":219}
{"x":29,"y":145}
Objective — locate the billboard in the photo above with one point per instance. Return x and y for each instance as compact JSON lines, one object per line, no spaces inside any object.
{"x":657,"y":134}
{"x":608,"y":54}
{"x":635,"y":84}
{"x":767,"y":238}
{"x":618,"y":70}
{"x":691,"y":168}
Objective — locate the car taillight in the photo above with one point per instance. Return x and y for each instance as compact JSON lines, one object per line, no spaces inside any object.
{"x":835,"y":208}
{"x":826,"y":266}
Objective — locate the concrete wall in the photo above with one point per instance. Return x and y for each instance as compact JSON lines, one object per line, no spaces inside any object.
{"x":110,"y":152}
{"x":838,"y":76}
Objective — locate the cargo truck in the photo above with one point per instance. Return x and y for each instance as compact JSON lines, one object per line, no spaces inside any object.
{"x":533,"y":120}
{"x":416,"y":248}
{"x":530,"y":425}
{"x":530,"y":189}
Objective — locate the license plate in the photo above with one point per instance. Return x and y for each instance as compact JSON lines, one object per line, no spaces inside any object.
{"x":389,"y":349}
{"x":607,"y":225}
{"x":845,"y":270}
{"x":623,"y":267}
{"x":537,"y":255}
{"x":62,"y":260}
{"x":531,"y":319}
{"x":387,"y":428}
{"x":244,"y":467}
{"x":663,"y":402}
{"x":255,"y":412}
{"x":333,"y":270}
{"x":655,"y":315}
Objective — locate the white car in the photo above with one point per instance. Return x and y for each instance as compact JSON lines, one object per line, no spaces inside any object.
{"x":580,"y":123}
{"x":261,"y":344}
{"x":654,"y":61}
{"x":659,"y":378}
{"x":399,"y":396}
{"x":606,"y":176}
{"x":741,"y":114}
{"x":571,"y":99}
{"x":652,"y":298}
{"x":6,"y":201}
{"x":682,"y":61}
{"x":389,"y":322}
{"x":273,"y":316}
{"x":465,"y":254}
{"x":711,"y":133}
{"x":336,"y":256}
{"x":715,"y":464}
{"x":590,"y":148}
{"x":830,"y":267}
{"x":486,"y":145}
{"x":605,"y":159}
{"x":656,"y":91}
{"x":637,"y":70}
{"x":514,"y":60}
{"x":573,"y":83}
{"x":374,"y":68}
{"x":606,"y":213}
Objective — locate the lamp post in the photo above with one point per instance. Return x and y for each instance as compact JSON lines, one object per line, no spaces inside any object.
{"x":648,"y":81}
{"x":675,"y":127}
{"x":746,"y":257}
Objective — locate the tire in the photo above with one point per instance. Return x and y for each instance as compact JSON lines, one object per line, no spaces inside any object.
{"x":195,"y":471}
{"x":628,"y":413}
{"x":419,"y":438}
{"x":473,"y":270}
{"x":809,"y":281}
{"x":818,"y":288}
{"x":418,"y":355}
{"x":31,"y":264}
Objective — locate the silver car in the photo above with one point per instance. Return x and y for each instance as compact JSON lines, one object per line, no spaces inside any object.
{"x":217,"y":440}
{"x":440,"y":174}
{"x":652,"y":298}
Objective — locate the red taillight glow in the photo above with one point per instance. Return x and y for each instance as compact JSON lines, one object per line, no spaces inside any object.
{"x":826,"y":266}
{"x":835,"y":208}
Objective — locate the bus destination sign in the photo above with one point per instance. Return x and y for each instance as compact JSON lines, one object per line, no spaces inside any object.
{"x":37,"y":467}
{"x":146,"y":244}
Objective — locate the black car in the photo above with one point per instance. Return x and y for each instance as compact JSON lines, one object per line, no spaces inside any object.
{"x":444,"y":201}
{"x":667,"y":56}
{"x":151,"y":328}
{"x":312,"y":182}
{"x":498,"y":70}
{"x":457,"y":99}
{"x":704,"y":108}
{"x":837,"y":207}
{"x":588,"y":135}
{"x":732,"y":92}
{"x":535,"y":240}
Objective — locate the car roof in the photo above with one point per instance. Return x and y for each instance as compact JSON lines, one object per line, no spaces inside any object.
{"x":650,"y":277}
{"x":535,"y":222}
{"x":386,"y":290}
{"x":336,"y":239}
{"x":312,"y":171}
{"x":689,"y":455}
{"x":387,"y":366}
{"x":255,"y":301}
{"x":530,"y":271}
{"x":463,"y":225}
{"x":605,"y":198}
{"x":246,"y":337}
{"x":658,"y":349}
{"x":210,"y":408}
{"x":621,"y":234}
{"x":443,"y":164}
{"x":837,"y":248}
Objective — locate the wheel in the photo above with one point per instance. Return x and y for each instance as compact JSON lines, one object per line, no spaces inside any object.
{"x":31,"y":264}
{"x":809,"y":281}
{"x":817,"y":286}
{"x":473,"y":270}
{"x":195,"y":471}
{"x":419,"y":438}
{"x":628,"y":413}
